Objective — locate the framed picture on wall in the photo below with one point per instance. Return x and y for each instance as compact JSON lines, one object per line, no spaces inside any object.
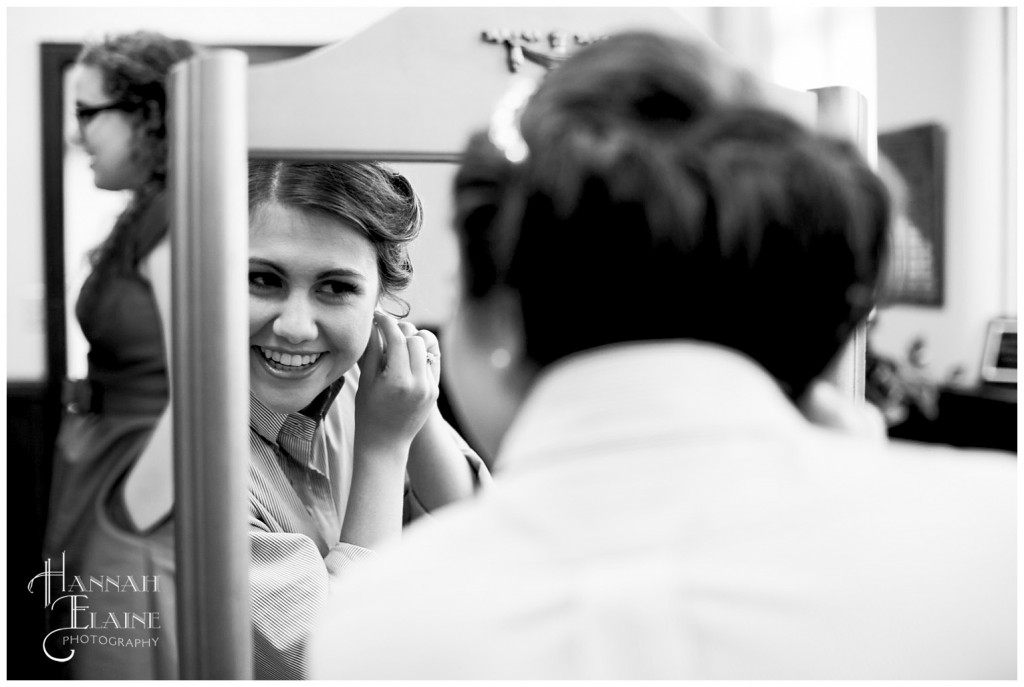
{"x":913,"y":161}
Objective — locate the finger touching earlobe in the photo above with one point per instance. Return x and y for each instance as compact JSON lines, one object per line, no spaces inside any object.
{"x":395,"y":350}
{"x":373,"y":355}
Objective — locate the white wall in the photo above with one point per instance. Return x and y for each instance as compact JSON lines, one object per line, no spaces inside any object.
{"x":947,"y":66}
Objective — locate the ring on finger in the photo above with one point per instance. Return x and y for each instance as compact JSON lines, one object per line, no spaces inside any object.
{"x":431,"y":357}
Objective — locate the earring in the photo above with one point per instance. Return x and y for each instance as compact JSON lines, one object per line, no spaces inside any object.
{"x":500,"y":358}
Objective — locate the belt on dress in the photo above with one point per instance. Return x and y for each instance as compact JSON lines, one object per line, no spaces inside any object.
{"x":81,"y":396}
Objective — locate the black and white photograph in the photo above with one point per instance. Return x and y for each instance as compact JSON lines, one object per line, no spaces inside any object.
{"x":511,"y":343}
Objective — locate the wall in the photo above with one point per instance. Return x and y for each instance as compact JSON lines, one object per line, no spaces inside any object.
{"x":804,"y":48}
{"x":27,"y":28}
{"x":948,"y":66}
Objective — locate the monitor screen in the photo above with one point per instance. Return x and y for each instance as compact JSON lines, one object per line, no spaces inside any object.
{"x":999,"y":362}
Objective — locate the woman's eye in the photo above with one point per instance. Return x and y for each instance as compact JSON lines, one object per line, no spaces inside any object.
{"x":264,"y":280}
{"x":337,"y":288}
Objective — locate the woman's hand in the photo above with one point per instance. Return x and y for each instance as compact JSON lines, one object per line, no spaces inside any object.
{"x":432,"y":345}
{"x":398,"y":386}
{"x":397,"y":393}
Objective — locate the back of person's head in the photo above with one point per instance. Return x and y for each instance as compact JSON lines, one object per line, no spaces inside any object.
{"x":135,"y":67}
{"x":655,"y":203}
{"x":368,"y":196}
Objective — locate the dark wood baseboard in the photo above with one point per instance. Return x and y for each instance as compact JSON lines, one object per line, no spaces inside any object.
{"x":33,"y":416}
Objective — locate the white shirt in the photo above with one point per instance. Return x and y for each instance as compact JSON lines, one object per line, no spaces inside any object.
{"x":663,"y":511}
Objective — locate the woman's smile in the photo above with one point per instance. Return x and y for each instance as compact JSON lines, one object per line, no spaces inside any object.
{"x":283,"y":368}
{"x":289,"y":361}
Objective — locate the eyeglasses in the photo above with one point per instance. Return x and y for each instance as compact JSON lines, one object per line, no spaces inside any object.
{"x":84,"y":114}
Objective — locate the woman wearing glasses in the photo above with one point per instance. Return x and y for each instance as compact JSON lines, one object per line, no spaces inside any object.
{"x":118,"y":412}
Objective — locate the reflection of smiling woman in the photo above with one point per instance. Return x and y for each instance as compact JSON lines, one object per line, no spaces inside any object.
{"x":330,"y":462}
{"x":346,"y":438}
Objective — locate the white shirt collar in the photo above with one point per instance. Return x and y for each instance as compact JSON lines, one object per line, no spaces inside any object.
{"x":641,"y":393}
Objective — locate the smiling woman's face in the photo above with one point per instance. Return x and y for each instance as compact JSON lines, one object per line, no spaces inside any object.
{"x":313,"y":287}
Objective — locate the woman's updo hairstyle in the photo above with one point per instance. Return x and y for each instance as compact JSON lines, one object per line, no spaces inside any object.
{"x":369,"y":196}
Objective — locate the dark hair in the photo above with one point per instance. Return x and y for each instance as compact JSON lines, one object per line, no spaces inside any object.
{"x":369,"y":196}
{"x":134,"y":67}
{"x":658,"y":208}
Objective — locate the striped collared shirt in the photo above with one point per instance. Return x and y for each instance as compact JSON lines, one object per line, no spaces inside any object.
{"x":300,"y":473}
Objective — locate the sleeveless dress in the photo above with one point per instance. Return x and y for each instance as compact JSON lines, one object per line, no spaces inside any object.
{"x":114,"y":606}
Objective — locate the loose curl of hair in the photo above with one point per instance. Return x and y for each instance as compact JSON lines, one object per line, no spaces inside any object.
{"x":658,"y":208}
{"x":134,"y":69}
{"x":368,"y":196}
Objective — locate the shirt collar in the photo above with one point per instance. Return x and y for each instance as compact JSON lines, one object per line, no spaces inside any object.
{"x":294,"y":429}
{"x":640,"y":394}
{"x":319,"y":406}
